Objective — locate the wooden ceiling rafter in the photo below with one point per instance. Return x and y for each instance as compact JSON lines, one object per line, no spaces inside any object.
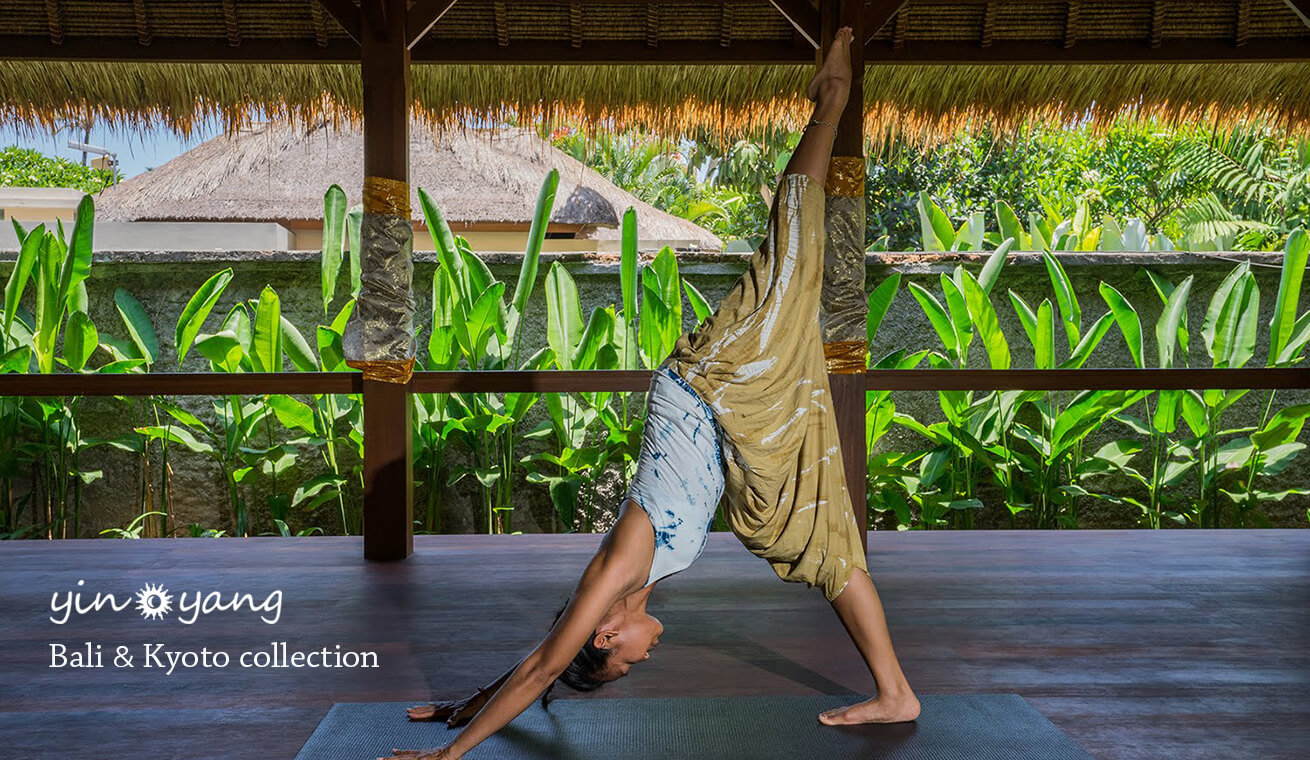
{"x":684,"y":52}
{"x":1300,"y":8}
{"x":54,"y":18}
{"x":1072,"y":14}
{"x":230,"y":24}
{"x":803,"y":17}
{"x":653,"y":25}
{"x":319,"y":19}
{"x":876,"y":15}
{"x":142,"y":19}
{"x":988,"y":26}
{"x":1242,"y":30}
{"x":575,"y":24}
{"x":423,"y":15}
{"x":727,"y":15}
{"x":347,"y":16}
{"x":1157,"y":24}
{"x":501,"y":15}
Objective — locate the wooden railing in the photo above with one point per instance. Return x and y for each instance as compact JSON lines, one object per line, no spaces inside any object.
{"x":388,"y":458}
{"x":561,"y":381}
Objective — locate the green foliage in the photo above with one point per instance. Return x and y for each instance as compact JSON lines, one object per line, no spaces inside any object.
{"x":23,"y":167}
{"x":1032,"y":451}
{"x":1028,"y":447}
{"x":1131,"y":186}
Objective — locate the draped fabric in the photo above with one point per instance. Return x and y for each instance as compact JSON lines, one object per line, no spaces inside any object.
{"x":758,"y":363}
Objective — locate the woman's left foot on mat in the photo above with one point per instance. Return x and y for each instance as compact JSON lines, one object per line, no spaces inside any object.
{"x":884,"y":708}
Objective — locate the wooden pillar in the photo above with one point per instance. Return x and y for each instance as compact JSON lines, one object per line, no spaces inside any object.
{"x":844,"y":304}
{"x":387,"y":232}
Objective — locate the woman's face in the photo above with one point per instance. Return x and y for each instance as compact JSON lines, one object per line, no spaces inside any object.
{"x":630,"y":638}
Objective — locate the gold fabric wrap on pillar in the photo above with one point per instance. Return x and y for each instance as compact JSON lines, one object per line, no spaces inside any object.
{"x":846,"y":357}
{"x":758,"y":363}
{"x":387,"y":371}
{"x":379,"y":338}
{"x":845,"y":177}
{"x":386,"y":196}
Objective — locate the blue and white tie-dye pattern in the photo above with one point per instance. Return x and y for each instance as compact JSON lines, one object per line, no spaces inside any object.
{"x":679,"y":478}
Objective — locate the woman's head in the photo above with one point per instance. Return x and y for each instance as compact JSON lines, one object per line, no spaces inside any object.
{"x":622,"y":639}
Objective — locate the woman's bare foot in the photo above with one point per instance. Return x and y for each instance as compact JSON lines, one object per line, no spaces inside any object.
{"x":833,"y":79}
{"x":885,"y":708}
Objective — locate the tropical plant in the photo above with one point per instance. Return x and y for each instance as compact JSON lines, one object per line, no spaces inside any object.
{"x":1257,"y":187}
{"x":472,"y":323}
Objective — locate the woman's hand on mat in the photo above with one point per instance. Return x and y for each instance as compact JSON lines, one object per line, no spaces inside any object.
{"x":441,"y":753}
{"x":455,"y":712}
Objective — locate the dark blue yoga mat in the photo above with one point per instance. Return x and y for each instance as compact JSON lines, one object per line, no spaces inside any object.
{"x":949,"y":727}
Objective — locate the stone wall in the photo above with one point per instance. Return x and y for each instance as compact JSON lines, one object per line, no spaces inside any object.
{"x":164,"y":281}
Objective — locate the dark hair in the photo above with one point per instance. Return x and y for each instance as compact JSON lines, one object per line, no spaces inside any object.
{"x":583,"y":673}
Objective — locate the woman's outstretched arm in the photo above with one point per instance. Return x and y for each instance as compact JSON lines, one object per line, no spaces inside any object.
{"x":457,"y":712}
{"x":619,"y":568}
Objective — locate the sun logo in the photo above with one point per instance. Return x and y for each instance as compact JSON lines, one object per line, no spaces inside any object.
{"x":153,"y":602}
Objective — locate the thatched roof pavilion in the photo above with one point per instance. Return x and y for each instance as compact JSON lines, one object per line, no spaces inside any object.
{"x":680,"y":66}
{"x":484,"y":181}
{"x":919,"y":68}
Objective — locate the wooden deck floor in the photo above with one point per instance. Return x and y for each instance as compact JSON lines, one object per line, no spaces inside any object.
{"x":1175,"y":644}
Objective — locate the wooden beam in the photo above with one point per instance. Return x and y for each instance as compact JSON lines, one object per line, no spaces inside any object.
{"x":54,"y":20}
{"x":803,"y":17}
{"x":1254,"y":378}
{"x":638,"y":381}
{"x":500,"y":17}
{"x":318,"y":17}
{"x":653,"y":25}
{"x":727,"y":13}
{"x":388,"y":472}
{"x":1157,"y":24}
{"x":142,"y":19}
{"x":575,"y":24}
{"x":388,"y":427}
{"x":988,"y":26}
{"x":844,"y":270}
{"x":1242,"y":28}
{"x":742,"y":52}
{"x":423,"y":15}
{"x":374,"y":14}
{"x":346,"y":14}
{"x":1290,"y":50}
{"x":1301,"y":8}
{"x":876,"y":15}
{"x":230,"y":23}
{"x":1072,"y":15}
{"x":600,"y":51}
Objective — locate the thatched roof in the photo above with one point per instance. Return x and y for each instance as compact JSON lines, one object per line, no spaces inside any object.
{"x":476,"y":177}
{"x":937,"y":64}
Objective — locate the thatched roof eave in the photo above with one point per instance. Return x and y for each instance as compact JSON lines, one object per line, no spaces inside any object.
{"x":920,"y":102}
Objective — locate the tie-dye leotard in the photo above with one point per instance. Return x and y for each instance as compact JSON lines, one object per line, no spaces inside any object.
{"x":679,"y":478}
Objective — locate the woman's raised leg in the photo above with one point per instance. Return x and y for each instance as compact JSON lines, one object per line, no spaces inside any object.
{"x":858,"y":606}
{"x":829,"y":89}
{"x":861,"y":613}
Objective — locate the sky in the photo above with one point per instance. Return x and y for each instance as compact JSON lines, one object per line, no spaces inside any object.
{"x":137,"y":150}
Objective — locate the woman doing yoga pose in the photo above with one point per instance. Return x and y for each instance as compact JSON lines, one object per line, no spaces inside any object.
{"x":741,"y":407}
